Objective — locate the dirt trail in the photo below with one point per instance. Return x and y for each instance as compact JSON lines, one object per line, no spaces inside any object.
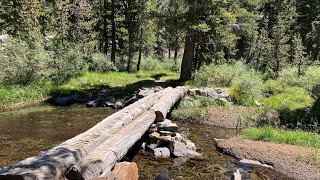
{"x":295,"y":161}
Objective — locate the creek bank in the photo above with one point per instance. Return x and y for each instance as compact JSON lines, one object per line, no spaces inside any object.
{"x":295,"y":161}
{"x":104,"y":99}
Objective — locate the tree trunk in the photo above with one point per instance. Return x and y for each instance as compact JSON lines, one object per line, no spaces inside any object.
{"x":169,"y":53}
{"x":186,"y":65}
{"x":54,"y":163}
{"x":130,"y":52}
{"x":176,"y":49}
{"x":103,"y":158}
{"x":105,"y":33}
{"x":113,"y":32}
{"x":140,"y":49}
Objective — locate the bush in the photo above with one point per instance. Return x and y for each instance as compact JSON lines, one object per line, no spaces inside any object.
{"x":101,"y":63}
{"x":21,"y":65}
{"x":200,"y":102}
{"x":272,"y":87}
{"x":69,"y":63}
{"x":219,"y":75}
{"x":150,"y":63}
{"x":247,"y":88}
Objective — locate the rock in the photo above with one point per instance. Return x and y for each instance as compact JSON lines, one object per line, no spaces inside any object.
{"x":190,"y":145}
{"x":237,"y":175}
{"x":180,"y":137}
{"x":145,"y":93}
{"x":194,"y":155}
{"x":154,"y":135}
{"x":111,"y":99}
{"x":192,"y":92}
{"x":118,"y":105}
{"x":212,"y":93}
{"x":63,"y":101}
{"x":164,"y":123}
{"x":172,"y":127}
{"x":166,"y":138}
{"x":124,"y":171}
{"x":222,"y":93}
{"x":161,"y":152}
{"x":247,"y":161}
{"x":99,"y":102}
{"x":179,"y":149}
{"x":153,"y":146}
{"x":166,"y":133}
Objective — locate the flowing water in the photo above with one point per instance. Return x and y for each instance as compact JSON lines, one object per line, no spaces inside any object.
{"x":29,"y":131}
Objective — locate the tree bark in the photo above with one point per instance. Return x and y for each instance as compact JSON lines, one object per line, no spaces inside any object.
{"x":167,"y":101}
{"x":186,"y":66}
{"x":130,"y":52}
{"x":176,"y":49}
{"x":54,"y":163}
{"x":105,"y":30}
{"x":103,"y":158}
{"x":113,"y":32}
{"x":140,"y":49}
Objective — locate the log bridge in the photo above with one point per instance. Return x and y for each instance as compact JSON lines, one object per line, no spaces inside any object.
{"x":94,"y":153}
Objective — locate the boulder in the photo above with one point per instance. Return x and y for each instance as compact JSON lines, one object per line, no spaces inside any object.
{"x":162,"y":152}
{"x":145,"y":92}
{"x":99,"y":102}
{"x":172,"y":127}
{"x":164,"y":123}
{"x":190,"y":145}
{"x":63,"y":101}
{"x":237,"y":175}
{"x":124,"y":171}
{"x":154,"y":135}
{"x":180,"y":149}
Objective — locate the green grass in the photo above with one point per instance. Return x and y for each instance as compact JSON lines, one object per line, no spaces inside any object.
{"x":276,"y":135}
{"x":122,"y":83}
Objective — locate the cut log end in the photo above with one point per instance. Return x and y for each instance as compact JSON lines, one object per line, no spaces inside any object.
{"x":159,"y":116}
{"x":74,"y":174}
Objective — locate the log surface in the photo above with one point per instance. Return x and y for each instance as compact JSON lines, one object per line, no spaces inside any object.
{"x":100,"y":161}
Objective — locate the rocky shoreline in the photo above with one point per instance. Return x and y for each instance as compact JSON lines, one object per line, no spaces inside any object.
{"x":294,"y":161}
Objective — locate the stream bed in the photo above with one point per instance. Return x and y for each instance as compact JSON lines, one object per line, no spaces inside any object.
{"x":30,"y":131}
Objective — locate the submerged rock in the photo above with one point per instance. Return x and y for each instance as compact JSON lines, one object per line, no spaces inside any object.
{"x":162,"y":152}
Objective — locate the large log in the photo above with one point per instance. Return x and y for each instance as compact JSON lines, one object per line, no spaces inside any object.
{"x":54,"y":163}
{"x":167,"y":101}
{"x":101,"y":160}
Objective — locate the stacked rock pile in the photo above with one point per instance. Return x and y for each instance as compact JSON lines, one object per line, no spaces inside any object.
{"x":165,"y":141}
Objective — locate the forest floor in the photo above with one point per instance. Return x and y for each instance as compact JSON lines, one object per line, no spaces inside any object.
{"x":295,"y":161}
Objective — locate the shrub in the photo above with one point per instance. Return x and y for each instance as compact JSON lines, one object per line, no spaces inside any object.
{"x":21,"y":65}
{"x":101,"y":63}
{"x":219,"y":75}
{"x":150,"y":63}
{"x":69,"y":63}
{"x":272,"y":87}
{"x":247,"y":88}
{"x":200,"y":102}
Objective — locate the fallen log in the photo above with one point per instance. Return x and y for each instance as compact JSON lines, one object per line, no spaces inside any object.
{"x":167,"y":101}
{"x":54,"y":163}
{"x":101,"y":160}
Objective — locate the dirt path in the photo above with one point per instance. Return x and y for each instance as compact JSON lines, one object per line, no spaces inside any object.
{"x":295,"y":161}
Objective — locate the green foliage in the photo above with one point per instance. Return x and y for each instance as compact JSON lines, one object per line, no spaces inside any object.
{"x":270,"y":134}
{"x":246,"y":88}
{"x":190,"y":114}
{"x":199,"y":102}
{"x":20,"y":64}
{"x":149,"y":63}
{"x":245,"y":83}
{"x":272,"y":87}
{"x":101,"y":63}
{"x":292,"y":98}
